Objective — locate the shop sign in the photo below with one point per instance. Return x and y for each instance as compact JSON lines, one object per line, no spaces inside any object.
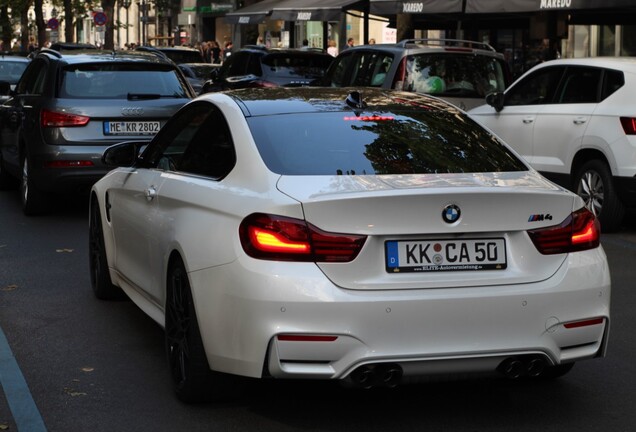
{"x":555,"y":4}
{"x":303,"y":16}
{"x":413,"y":7}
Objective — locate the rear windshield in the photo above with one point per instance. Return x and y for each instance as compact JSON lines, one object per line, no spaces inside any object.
{"x":12,"y":70}
{"x":184,"y":56}
{"x":399,"y":142}
{"x":117,"y":81}
{"x":296,"y":65}
{"x":453,"y":75}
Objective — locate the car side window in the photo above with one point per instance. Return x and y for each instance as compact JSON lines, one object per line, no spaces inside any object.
{"x":580,"y":85}
{"x":33,"y":80}
{"x":196,"y":141}
{"x":239,"y":65}
{"x":537,"y":88}
{"x":254,"y":65}
{"x":612,"y":81}
{"x":340,"y":69}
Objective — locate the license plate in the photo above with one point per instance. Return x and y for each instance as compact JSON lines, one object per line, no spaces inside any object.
{"x":445,"y":255}
{"x":131,"y":127}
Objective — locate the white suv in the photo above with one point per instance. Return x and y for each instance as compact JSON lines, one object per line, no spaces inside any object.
{"x":574,"y":120}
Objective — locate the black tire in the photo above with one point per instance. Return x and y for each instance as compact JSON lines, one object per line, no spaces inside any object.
{"x":6,"y":181}
{"x":593,"y":183}
{"x":34,"y":202}
{"x":192,"y":378}
{"x":101,"y":283}
{"x":557,"y":371}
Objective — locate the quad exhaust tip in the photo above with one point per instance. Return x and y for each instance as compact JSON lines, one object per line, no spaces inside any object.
{"x":379,"y":375}
{"x":517,"y":367}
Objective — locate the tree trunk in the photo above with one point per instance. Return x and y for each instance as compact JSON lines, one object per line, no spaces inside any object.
{"x":69,"y":28}
{"x":109,"y":36}
{"x":39,"y":23}
{"x":405,"y":28}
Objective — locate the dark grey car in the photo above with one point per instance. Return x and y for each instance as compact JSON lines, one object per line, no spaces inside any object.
{"x":68,"y":107}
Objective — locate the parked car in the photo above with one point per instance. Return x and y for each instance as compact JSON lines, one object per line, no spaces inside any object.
{"x":357,"y":235}
{"x":257,"y":66}
{"x":176,"y":54}
{"x":198,"y":73}
{"x":461,"y":72}
{"x":574,"y":121}
{"x":69,"y":106}
{"x":11,"y":69}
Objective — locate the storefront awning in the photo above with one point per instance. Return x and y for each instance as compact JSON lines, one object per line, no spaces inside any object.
{"x":312,"y":10}
{"x":499,"y":6}
{"x":292,"y":10}
{"x":386,"y":7}
{"x":253,"y":14}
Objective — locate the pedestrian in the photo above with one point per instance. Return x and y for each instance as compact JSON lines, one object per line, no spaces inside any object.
{"x":349,"y":43}
{"x":371,"y":41}
{"x":305,"y":46}
{"x":227,"y":51}
{"x":332,"y":48}
{"x":216,"y":52}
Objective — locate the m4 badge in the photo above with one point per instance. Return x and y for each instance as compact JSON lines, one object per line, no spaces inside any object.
{"x":539,"y":217}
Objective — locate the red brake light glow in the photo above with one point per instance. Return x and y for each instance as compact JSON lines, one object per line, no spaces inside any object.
{"x":368,"y":118}
{"x":282,"y":238}
{"x":579,"y":231}
{"x":583,"y":323}
{"x":69,"y":164}
{"x":629,"y":125}
{"x":56,"y":119}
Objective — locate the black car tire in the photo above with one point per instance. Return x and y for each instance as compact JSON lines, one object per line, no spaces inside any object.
{"x":33,"y":201}
{"x":6,"y":181}
{"x":101,"y":283}
{"x":192,"y":378}
{"x":593,"y":182}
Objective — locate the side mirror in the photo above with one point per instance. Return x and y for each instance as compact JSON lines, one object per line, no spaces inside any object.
{"x":496,"y":100}
{"x":124,"y":154}
{"x":214,"y":75}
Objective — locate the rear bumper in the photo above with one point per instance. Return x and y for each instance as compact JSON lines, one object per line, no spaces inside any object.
{"x":74,"y":179}
{"x":244,"y":306}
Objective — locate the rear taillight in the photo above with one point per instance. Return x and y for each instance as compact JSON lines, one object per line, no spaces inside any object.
{"x":282,"y":238}
{"x":400,"y":75}
{"x":629,"y":125}
{"x":57,"y":119}
{"x":579,"y":231}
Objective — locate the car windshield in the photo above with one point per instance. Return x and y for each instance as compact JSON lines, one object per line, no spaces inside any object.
{"x":292,"y":64}
{"x":11,"y":71}
{"x":118,"y":80}
{"x":203,"y":71}
{"x":453,"y":75}
{"x":395,"y":142}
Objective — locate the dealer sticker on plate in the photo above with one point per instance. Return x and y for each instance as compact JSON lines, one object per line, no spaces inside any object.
{"x":445,"y":255}
{"x":131,"y":127}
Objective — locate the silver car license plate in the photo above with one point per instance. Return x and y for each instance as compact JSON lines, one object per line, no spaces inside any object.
{"x":131,"y":127}
{"x":445,"y":255}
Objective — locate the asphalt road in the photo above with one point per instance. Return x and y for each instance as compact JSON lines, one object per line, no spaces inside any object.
{"x":99,"y":366}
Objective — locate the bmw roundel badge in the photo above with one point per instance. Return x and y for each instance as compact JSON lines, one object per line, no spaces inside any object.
{"x":451,"y":213}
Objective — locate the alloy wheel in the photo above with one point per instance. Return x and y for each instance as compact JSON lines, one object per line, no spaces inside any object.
{"x":177,"y":330}
{"x":592,"y":190}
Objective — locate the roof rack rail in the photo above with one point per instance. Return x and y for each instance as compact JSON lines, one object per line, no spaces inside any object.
{"x":448,"y":43}
{"x":50,"y":51}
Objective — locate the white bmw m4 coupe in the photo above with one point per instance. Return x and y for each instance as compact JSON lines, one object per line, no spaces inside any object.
{"x":362,"y":235}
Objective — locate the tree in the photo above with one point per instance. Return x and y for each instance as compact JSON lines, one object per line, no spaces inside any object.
{"x":405,"y":28}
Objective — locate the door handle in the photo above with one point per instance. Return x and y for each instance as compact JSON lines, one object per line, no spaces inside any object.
{"x":579,"y":120}
{"x":150,"y":193}
{"x":528,"y":120}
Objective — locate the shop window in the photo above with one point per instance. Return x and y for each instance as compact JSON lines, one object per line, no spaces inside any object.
{"x":607,"y":40}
